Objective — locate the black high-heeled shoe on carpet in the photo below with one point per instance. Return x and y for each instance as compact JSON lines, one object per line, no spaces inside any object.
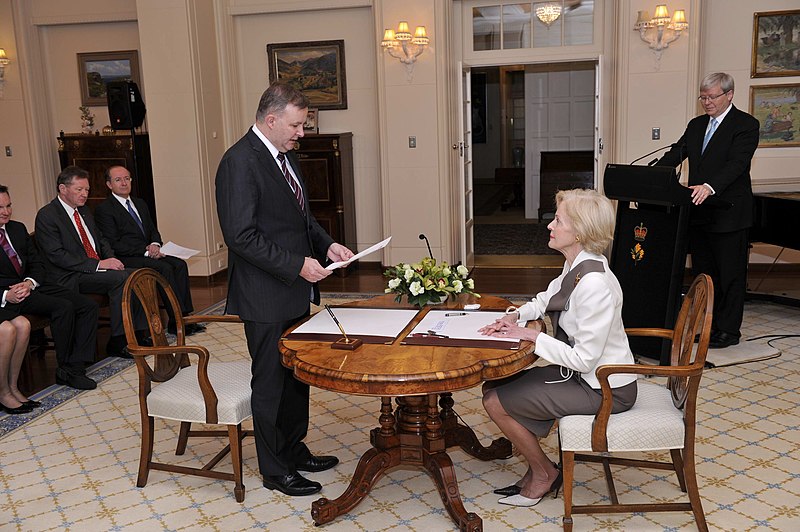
{"x":521,"y":500}
{"x":21,"y":409}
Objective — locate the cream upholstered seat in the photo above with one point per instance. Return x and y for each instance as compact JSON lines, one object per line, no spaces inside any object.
{"x":215,"y":393}
{"x":663,"y":417}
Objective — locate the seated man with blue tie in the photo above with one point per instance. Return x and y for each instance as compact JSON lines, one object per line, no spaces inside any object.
{"x":126,"y":222}
{"x":78,"y":257}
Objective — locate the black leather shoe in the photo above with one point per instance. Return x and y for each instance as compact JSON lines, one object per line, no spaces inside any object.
{"x":513,"y":489}
{"x":722,"y":340}
{"x":74,"y":380}
{"x":122,"y":353}
{"x":294,"y":484}
{"x":143,"y":340}
{"x":315,"y":464}
{"x":194,"y":328}
{"x":32,"y":404}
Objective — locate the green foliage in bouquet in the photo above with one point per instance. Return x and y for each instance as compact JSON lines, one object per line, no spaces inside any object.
{"x":428,"y":281}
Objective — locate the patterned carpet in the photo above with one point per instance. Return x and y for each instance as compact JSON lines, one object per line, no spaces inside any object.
{"x":74,"y":467}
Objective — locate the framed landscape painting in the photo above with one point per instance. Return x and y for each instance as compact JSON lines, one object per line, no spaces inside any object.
{"x":777,"y":108}
{"x":98,"y":68}
{"x":776,"y":46}
{"x":317,"y":68}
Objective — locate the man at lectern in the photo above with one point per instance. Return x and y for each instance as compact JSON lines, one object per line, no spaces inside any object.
{"x":720,"y":145}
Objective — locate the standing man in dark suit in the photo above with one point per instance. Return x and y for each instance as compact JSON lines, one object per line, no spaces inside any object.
{"x":126,"y":223}
{"x":274,"y":249}
{"x":720,"y":145}
{"x":78,"y":257}
{"x":73,"y":317}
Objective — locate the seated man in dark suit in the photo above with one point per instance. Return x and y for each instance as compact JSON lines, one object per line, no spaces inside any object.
{"x":126,"y":223}
{"x":73,"y":317}
{"x":78,"y":257}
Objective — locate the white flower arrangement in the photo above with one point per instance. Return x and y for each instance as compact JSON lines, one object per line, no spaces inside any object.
{"x":426,"y":281}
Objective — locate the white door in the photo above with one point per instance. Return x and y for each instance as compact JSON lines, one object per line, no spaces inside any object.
{"x":464,"y":147}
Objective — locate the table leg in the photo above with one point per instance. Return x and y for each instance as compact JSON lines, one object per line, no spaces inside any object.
{"x":414,"y":436}
{"x":457,"y":434}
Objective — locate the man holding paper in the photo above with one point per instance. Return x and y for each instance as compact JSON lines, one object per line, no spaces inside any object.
{"x":126,"y":222}
{"x":274,"y":251}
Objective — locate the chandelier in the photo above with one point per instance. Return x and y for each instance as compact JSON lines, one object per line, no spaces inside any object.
{"x":548,"y":13}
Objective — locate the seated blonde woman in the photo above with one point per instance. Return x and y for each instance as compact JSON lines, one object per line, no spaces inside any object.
{"x":585,"y":306}
{"x":15,"y":332}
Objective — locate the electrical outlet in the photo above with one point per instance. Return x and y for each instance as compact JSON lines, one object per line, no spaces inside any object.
{"x":656,"y":134}
{"x":412,"y":142}
{"x":8,"y":151}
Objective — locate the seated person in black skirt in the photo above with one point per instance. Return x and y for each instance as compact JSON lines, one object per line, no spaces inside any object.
{"x":585,"y":305}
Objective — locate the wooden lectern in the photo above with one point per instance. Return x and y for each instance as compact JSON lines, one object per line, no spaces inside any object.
{"x":650,"y":244}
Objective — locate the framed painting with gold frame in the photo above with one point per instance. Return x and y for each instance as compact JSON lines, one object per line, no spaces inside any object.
{"x":778,"y":110}
{"x":775,"y":50}
{"x":96,"y":69}
{"x":316,"y":67}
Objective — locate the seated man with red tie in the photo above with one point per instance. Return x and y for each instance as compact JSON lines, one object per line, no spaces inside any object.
{"x":73,"y":317}
{"x":77,"y":256}
{"x":126,"y":223}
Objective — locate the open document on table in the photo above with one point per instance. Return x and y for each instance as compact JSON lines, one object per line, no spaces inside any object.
{"x":371,"y":249}
{"x":456,"y":328}
{"x":370,"y":325}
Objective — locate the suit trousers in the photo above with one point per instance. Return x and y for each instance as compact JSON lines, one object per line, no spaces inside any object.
{"x":73,"y":323}
{"x":111,"y":282}
{"x":279,"y":401}
{"x":724,"y":257}
{"x":175,"y":271}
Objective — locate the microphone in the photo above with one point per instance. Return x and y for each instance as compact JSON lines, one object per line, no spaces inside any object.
{"x":425,"y":238}
{"x":654,"y":161}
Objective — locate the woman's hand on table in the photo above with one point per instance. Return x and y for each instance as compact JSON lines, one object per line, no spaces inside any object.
{"x":506,"y":327}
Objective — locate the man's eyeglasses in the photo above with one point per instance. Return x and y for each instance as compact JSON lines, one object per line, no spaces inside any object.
{"x":121,"y":179}
{"x":706,"y":99}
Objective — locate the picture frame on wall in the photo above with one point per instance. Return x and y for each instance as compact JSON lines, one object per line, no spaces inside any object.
{"x":315,"y":67}
{"x":311,"y":124}
{"x":775,"y":50}
{"x":96,"y":69}
{"x":777,"y":108}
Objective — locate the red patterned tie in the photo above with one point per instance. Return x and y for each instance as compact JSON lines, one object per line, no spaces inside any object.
{"x":87,"y":246}
{"x":12,"y":255}
{"x":298,"y":191}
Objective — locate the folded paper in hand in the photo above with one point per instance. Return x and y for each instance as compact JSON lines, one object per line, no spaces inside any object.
{"x":372,"y":249}
{"x":174,"y":250}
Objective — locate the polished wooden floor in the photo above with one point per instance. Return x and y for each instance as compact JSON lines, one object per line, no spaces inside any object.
{"x":368,"y":279}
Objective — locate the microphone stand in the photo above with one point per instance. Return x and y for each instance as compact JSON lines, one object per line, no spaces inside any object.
{"x":651,"y":153}
{"x":425,"y":238}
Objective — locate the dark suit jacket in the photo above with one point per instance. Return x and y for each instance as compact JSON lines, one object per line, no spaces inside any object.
{"x":26,"y":251}
{"x":121,"y":231}
{"x":60,"y":245}
{"x":725,"y":165}
{"x":267,"y":234}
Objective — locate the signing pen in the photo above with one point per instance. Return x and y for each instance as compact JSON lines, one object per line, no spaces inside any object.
{"x":346,"y":339}
{"x":451,"y":314}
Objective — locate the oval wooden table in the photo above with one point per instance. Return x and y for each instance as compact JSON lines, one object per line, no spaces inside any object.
{"x":422,"y":426}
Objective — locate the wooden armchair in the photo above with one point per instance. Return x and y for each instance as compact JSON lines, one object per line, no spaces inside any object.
{"x":171,"y":388}
{"x":662,"y":418}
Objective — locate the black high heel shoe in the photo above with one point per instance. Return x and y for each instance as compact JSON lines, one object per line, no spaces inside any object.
{"x":32,"y":403}
{"x":21,"y":409}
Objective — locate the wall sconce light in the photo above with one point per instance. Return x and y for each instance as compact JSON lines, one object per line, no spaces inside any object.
{"x":548,"y":13}
{"x":401,"y":45}
{"x":4,"y":60}
{"x":658,"y":32}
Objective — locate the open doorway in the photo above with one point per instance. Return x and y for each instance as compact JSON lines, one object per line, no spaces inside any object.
{"x":520,"y":112}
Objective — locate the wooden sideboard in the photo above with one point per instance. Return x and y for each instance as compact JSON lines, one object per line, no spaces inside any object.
{"x":95,"y":153}
{"x":326,"y":161}
{"x":563,"y":170}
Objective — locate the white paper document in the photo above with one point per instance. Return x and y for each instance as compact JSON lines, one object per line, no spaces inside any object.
{"x":174,"y":250}
{"x":458,"y":324}
{"x":358,"y":322}
{"x":371,"y":249}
